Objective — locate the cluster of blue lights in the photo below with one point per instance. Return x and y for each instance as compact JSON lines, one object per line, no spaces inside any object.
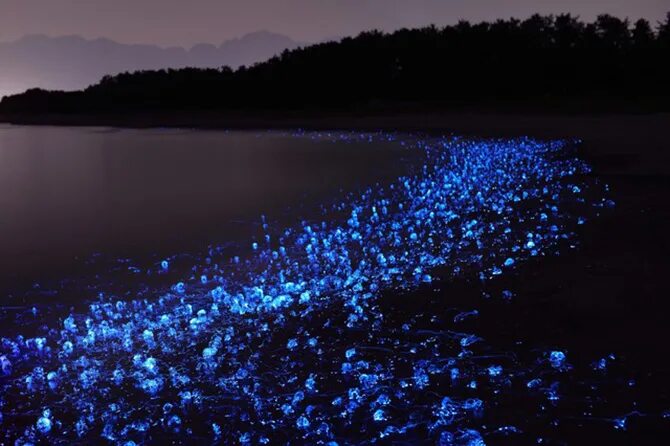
{"x":288,"y":340}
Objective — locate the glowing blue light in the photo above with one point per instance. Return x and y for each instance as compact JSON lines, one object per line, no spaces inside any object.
{"x":5,"y":365}
{"x":495,"y":370}
{"x":44,"y":423}
{"x":303,"y":423}
{"x":557,"y":359}
{"x":620,"y":423}
{"x":188,"y":351}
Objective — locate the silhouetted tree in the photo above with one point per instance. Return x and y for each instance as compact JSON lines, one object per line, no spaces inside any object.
{"x":613,"y":32}
{"x":664,"y":32}
{"x":643,"y":35}
{"x":567,"y":31}
{"x":537,"y":30}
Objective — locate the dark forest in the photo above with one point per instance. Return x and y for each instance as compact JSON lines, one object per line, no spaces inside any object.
{"x":543,"y":61}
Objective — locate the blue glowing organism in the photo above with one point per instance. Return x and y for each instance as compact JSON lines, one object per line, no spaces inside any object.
{"x":297,"y":397}
{"x":448,"y":410}
{"x":620,"y":423}
{"x":494,"y":370}
{"x":150,"y":365}
{"x":534,"y":383}
{"x":382,"y":400}
{"x":69,"y":324}
{"x":287,"y":409}
{"x":67,"y":347}
{"x":5,"y":365}
{"x":174,"y":422}
{"x":148,"y":336}
{"x":471,"y":438}
{"x":305,"y":297}
{"x":151,"y":386}
{"x":601,"y":364}
{"x":468,"y":340}
{"x":44,"y":423}
{"x":446,"y":439}
{"x":368,"y":381}
{"x":552,"y":392}
{"x":460,"y":317}
{"x":473,"y":405}
{"x":557,"y":359}
{"x":420,"y":378}
{"x":310,"y":383}
{"x":303,"y":423}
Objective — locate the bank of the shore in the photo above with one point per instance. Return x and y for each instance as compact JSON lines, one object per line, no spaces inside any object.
{"x":615,"y":143}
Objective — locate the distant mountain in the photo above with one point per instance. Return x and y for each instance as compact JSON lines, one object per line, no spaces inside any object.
{"x":72,"y":62}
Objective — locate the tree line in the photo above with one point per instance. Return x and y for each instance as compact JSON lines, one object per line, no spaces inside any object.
{"x":542,"y":59}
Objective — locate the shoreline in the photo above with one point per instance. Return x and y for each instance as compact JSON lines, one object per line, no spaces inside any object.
{"x":614,"y":143}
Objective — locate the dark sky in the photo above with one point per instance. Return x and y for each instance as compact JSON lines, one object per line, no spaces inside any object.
{"x":185,"y":22}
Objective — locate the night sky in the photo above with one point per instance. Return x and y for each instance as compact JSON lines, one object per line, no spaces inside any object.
{"x":183,"y":23}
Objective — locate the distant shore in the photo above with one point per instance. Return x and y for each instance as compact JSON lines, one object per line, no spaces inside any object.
{"x":637,"y":144}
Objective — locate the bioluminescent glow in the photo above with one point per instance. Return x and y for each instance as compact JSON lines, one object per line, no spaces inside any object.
{"x":287,"y":339}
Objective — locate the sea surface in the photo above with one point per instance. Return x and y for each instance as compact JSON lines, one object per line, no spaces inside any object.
{"x":69,"y":193}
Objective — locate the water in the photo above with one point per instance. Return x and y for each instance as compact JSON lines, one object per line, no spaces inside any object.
{"x":66,"y":193}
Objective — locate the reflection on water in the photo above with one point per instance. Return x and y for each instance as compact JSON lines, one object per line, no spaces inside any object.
{"x":67,"y":192}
